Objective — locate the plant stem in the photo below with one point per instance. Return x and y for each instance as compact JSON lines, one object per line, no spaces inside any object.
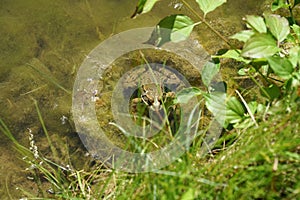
{"x":247,"y":107}
{"x":53,"y":150}
{"x":291,"y":11}
{"x":202,"y":19}
{"x":260,"y":87}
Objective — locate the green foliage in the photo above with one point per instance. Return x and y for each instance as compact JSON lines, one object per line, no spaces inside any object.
{"x":144,"y":6}
{"x":278,"y":26}
{"x":209,"y":71}
{"x":260,"y":45}
{"x":282,"y":67}
{"x":256,"y":23}
{"x":243,"y":36}
{"x":264,"y":51}
{"x":175,"y":28}
{"x":185,"y":95}
{"x":277,"y":4}
{"x":235,"y":110}
{"x":269,"y":46}
{"x":215,"y":96}
{"x":272,"y":91}
{"x":215,"y":103}
{"x":260,"y":158}
{"x":207,"y":5}
{"x":234,"y":54}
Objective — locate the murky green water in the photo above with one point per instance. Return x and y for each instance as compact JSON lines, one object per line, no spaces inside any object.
{"x":54,"y":37}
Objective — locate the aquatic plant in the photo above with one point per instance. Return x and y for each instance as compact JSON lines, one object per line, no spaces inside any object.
{"x":270,"y":51}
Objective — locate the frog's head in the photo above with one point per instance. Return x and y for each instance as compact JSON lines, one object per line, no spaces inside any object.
{"x":152,"y":96}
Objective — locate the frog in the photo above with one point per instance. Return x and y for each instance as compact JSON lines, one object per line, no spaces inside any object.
{"x":154,"y":96}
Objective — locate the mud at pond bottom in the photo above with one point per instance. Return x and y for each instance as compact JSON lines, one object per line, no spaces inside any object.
{"x":12,"y":175}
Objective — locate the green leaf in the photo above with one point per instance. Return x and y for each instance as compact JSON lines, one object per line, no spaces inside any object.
{"x":273,"y":92}
{"x":215,"y":103}
{"x":257,"y":23}
{"x":209,"y":5}
{"x":277,"y":4}
{"x":246,"y":123}
{"x":278,"y":26}
{"x":182,"y":28}
{"x":242,"y":72}
{"x":234,"y":54}
{"x":186,"y":94}
{"x":189,"y":194}
{"x":252,"y":106}
{"x":173,"y":28}
{"x":281,"y":67}
{"x":143,"y":6}
{"x":220,"y":86}
{"x":296,"y":30}
{"x":208,"y":72}
{"x":294,"y":56}
{"x":260,"y":46}
{"x":242,"y":36}
{"x":235,"y":105}
{"x":235,"y":111}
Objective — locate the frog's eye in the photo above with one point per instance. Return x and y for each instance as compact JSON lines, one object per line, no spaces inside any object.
{"x":147,"y":100}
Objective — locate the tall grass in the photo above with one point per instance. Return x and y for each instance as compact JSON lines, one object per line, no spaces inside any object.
{"x":65,"y":181}
{"x":235,"y":169}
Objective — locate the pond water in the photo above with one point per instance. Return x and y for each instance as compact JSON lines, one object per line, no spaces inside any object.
{"x":43,"y":44}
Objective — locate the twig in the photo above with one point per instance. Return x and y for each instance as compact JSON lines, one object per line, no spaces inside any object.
{"x":247,"y":107}
{"x":207,"y":24}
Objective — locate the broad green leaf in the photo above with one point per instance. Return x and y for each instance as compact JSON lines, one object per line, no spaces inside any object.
{"x":209,"y":5}
{"x":257,"y":23}
{"x":246,"y":123}
{"x":186,"y":94}
{"x":277,"y":4}
{"x":143,"y":6}
{"x":273,"y":92}
{"x":215,"y":103}
{"x":235,"y":110}
{"x":260,"y":46}
{"x":173,"y":28}
{"x":220,"y":86}
{"x":293,"y":83}
{"x":235,"y":105}
{"x":294,"y":56}
{"x":278,"y":26}
{"x":208,"y":72}
{"x":252,"y":106}
{"x":182,"y":28}
{"x":234,"y":54}
{"x":296,"y":30}
{"x":189,"y":194}
{"x":281,"y":67}
{"x":243,"y":36}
